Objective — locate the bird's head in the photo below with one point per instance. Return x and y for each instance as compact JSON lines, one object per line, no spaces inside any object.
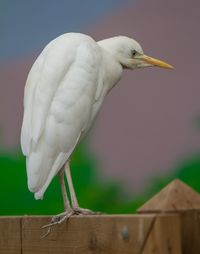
{"x":129,"y":53}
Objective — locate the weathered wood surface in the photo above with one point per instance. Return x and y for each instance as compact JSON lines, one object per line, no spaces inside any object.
{"x":190,"y":233}
{"x":114,"y":234}
{"x":179,"y":198}
{"x":10,"y":235}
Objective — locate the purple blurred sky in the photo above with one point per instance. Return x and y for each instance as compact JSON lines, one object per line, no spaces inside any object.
{"x":147,"y":122}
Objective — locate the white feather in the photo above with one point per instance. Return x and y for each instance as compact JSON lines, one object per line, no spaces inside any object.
{"x":63,"y":93}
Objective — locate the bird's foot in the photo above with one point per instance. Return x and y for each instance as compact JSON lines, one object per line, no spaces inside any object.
{"x":60,"y":218}
{"x":57,"y":219}
{"x":83,"y":211}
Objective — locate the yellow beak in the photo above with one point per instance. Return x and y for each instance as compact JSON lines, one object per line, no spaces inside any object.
{"x":156,"y":62}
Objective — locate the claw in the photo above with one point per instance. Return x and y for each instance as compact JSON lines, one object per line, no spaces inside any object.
{"x":47,"y":233}
{"x":60,"y":218}
{"x":83,"y":211}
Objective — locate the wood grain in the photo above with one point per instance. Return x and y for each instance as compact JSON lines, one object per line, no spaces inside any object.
{"x":87,"y":234}
{"x":190,"y":225}
{"x":10,"y":235}
{"x":179,"y":198}
{"x":107,"y":234}
{"x":165,"y":237}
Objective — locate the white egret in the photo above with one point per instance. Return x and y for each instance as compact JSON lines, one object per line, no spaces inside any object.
{"x":63,"y":94}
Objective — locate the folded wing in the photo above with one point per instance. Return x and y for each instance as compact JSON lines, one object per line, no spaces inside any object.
{"x":58,"y":100}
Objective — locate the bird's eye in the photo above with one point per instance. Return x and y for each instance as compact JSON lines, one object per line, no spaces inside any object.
{"x":134,"y":52}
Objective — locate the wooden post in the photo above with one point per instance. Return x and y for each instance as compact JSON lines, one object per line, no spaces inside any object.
{"x":115,"y":234}
{"x":105,"y":234}
{"x":180,"y":199}
{"x":169,"y":223}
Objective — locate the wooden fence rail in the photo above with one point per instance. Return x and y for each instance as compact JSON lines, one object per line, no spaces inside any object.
{"x":167,"y":224}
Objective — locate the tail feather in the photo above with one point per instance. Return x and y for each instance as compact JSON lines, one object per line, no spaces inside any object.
{"x":40,"y":164}
{"x":43,"y":165}
{"x":57,"y":165}
{"x":37,"y":170}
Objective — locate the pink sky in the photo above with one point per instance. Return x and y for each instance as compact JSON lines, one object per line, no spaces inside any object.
{"x":147,"y":122}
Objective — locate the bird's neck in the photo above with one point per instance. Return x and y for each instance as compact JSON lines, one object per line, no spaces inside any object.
{"x":112,"y":70}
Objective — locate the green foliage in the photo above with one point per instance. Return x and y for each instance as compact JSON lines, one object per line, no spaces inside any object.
{"x":93,"y":192}
{"x":15,"y":198}
{"x":188,"y":171}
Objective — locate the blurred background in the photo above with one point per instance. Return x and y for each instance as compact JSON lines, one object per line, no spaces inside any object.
{"x":148,"y":131}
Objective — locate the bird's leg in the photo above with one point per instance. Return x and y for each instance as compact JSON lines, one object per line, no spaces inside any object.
{"x":74,"y":200}
{"x":69,"y":211}
{"x":59,"y":218}
{"x":66,"y":203}
{"x":75,"y":206}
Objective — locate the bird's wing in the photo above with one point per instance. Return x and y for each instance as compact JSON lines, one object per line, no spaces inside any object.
{"x":60,"y":91}
{"x":43,"y":80}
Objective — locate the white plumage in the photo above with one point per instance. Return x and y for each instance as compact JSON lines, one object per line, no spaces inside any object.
{"x":64,"y":92}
